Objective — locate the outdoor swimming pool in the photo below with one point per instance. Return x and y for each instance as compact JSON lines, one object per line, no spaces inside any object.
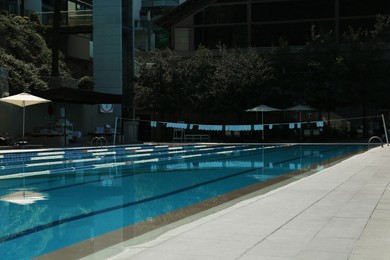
{"x":50,"y":200}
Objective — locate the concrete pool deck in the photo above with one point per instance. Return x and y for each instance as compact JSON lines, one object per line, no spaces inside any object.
{"x":341,"y":212}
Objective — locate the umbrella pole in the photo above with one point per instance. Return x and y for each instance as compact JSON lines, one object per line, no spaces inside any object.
{"x":300,"y":121}
{"x":262,"y":122}
{"x":24,"y":117}
{"x":65,"y":133}
{"x":262,"y":158}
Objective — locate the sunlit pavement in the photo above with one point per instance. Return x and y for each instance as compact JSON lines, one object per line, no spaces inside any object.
{"x":342,"y":212}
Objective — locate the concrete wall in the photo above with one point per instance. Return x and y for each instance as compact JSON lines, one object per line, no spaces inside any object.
{"x":11,"y":118}
{"x":107,"y":47}
{"x":84,"y":118}
{"x":182,"y":36}
{"x":33,"y":5}
{"x":136,"y":8}
{"x":141,"y":40}
{"x":78,"y":46}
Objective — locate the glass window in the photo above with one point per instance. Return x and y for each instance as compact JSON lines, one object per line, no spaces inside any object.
{"x":127,"y":13}
{"x":357,"y":23}
{"x":295,"y":33}
{"x":9,"y":6}
{"x":231,"y":36}
{"x":364,"y":7}
{"x":48,"y":5}
{"x":230,"y":1}
{"x":292,"y":10}
{"x":221,"y":15}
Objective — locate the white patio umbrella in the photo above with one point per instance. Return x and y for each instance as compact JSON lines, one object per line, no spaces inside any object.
{"x":262,"y":109}
{"x":24,"y":100}
{"x":300,"y":108}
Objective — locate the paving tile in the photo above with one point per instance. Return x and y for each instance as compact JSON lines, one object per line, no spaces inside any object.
{"x":370,"y":255}
{"x":309,"y":222}
{"x":129,"y":253}
{"x":339,"y":213}
{"x":339,"y":245}
{"x":292,"y":235}
{"x":262,"y":257}
{"x":320,"y":255}
{"x":343,"y":228}
{"x":354,"y":209}
{"x":384,"y":205}
{"x":201,"y":248}
{"x":275,"y":249}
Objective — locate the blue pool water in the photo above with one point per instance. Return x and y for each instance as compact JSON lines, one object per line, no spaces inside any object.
{"x":53,"y":199}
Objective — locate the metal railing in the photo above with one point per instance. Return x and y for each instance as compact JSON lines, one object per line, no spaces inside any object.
{"x":68,"y":18}
{"x":159,"y":3}
{"x":375,"y":138}
{"x":99,"y":140}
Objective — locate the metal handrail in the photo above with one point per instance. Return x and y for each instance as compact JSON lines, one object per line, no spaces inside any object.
{"x":68,"y":18}
{"x":99,"y":139}
{"x":102,"y":138}
{"x":375,"y":137}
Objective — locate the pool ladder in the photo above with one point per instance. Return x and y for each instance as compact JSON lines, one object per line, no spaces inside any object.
{"x":99,"y":140}
{"x":375,"y":138}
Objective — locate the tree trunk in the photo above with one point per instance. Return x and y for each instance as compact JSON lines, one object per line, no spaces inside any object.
{"x":22,"y":8}
{"x":55,"y":39}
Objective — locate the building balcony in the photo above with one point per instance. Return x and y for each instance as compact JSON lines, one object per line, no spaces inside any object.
{"x":159,"y":3}
{"x":68,"y":18}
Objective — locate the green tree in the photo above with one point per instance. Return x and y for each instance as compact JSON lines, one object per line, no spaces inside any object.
{"x":287,"y":65}
{"x":328,"y":75}
{"x":367,"y":66}
{"x":240,"y":79}
{"x":22,"y":76}
{"x":230,"y":82}
{"x":156,"y":89}
{"x":323,"y":65}
{"x":26,"y":54}
{"x":197,"y":76}
{"x":364,"y":54}
{"x":86,"y":83}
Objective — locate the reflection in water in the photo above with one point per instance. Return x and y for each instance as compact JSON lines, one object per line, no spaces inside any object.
{"x":301,"y":160}
{"x":24,"y":197}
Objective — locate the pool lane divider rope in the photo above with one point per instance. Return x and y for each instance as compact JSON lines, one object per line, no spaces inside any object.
{"x":205,"y":153}
{"x":11,"y":159}
{"x":91,"y":153}
{"x":167,"y":162}
{"x":108,"y":165}
{"x":26,"y":156}
{"x":74,"y":152}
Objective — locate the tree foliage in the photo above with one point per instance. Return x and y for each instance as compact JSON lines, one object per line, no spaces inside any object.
{"x":22,"y":76}
{"x":367,"y":65}
{"x":197,"y":75}
{"x":229,"y":81}
{"x":240,"y":79}
{"x":25,"y":54}
{"x":85,"y":83}
{"x":157,"y":88}
{"x":326,"y":71}
{"x":323,"y":65}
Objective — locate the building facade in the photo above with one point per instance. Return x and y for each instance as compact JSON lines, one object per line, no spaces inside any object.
{"x":262,"y":23}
